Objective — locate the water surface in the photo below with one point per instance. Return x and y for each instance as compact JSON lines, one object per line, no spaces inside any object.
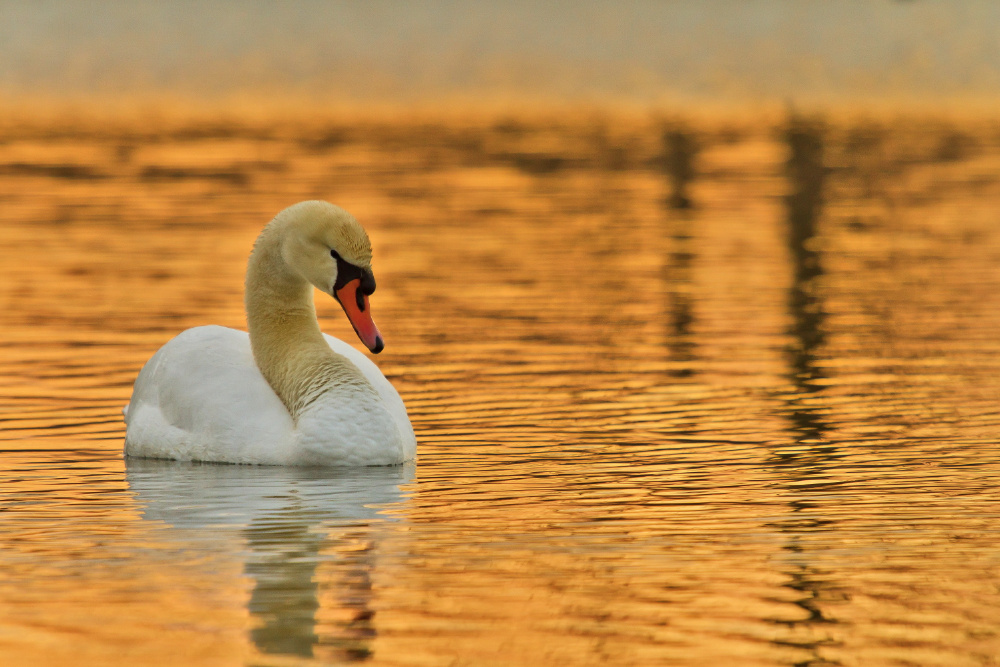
{"x":686,"y":393}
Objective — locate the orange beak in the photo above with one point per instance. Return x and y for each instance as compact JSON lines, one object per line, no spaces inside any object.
{"x":355,"y":305}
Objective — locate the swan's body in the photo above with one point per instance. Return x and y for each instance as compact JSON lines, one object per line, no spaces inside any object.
{"x":286,"y":394}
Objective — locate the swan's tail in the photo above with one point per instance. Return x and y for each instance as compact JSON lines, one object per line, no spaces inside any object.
{"x":125,"y":412}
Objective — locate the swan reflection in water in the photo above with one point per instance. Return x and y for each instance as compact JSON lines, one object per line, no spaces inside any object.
{"x":311,"y":542}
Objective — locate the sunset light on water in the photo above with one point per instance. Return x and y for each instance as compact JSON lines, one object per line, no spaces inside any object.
{"x":693,"y":383}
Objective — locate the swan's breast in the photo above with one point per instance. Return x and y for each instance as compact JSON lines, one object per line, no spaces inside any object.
{"x":350,"y":428}
{"x":389,"y":398}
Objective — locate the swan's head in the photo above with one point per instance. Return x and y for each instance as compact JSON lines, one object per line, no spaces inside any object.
{"x":330,"y":249}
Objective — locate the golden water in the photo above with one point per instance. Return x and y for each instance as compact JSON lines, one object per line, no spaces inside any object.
{"x":686,"y":393}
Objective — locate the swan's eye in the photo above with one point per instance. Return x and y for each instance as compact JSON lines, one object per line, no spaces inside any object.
{"x":334,"y":254}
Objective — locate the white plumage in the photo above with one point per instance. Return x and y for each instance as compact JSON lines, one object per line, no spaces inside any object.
{"x":292,"y":396}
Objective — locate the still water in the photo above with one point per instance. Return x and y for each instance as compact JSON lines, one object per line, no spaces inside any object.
{"x":687,"y":392}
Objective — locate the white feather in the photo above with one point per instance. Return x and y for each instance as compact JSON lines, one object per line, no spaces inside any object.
{"x":202,"y":396}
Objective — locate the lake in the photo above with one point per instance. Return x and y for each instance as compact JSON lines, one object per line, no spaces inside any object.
{"x":687,"y":390}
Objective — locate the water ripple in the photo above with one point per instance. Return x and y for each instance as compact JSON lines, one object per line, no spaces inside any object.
{"x":685,"y":393}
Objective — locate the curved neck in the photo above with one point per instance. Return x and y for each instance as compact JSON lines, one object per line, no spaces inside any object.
{"x":287,"y":343}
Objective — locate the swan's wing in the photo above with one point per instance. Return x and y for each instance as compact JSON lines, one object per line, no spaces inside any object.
{"x":390,"y":397}
{"x":201,"y":397}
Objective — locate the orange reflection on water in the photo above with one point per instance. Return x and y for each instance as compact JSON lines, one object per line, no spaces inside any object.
{"x":719,"y":389}
{"x":87,"y":581}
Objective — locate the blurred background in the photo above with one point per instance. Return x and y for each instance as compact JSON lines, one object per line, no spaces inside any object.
{"x":640,"y":52}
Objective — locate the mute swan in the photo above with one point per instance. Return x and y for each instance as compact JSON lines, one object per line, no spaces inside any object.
{"x":286,"y":394}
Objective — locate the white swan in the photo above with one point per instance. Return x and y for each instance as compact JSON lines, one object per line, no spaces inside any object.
{"x":286,"y":394}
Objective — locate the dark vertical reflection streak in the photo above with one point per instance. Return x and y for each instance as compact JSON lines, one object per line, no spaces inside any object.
{"x":679,"y":149}
{"x":802,"y":463}
{"x":804,"y":202}
{"x":682,"y":347}
{"x":679,"y":152}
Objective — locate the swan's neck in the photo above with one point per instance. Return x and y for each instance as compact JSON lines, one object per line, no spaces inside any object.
{"x":287,"y":343}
